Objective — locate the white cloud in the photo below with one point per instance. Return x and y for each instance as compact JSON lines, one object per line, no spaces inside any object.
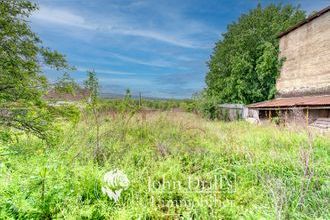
{"x":158,"y":36}
{"x":106,"y":71}
{"x":48,"y":15}
{"x":64,"y":17}
{"x":156,"y":63}
{"x":124,"y":82}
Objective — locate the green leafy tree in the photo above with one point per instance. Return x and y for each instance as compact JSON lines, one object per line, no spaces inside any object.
{"x":66,"y":84}
{"x":128,"y":94}
{"x":244,"y":65}
{"x":128,"y":104}
{"x":22,"y":83}
{"x":92,"y":85}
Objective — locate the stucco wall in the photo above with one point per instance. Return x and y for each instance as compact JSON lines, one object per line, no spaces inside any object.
{"x":306,"y":70}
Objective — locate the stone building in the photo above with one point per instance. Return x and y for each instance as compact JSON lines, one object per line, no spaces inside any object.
{"x":303,"y":88}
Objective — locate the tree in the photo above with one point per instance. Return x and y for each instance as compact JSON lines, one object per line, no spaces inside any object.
{"x":244,"y":65}
{"x":22,"y":83}
{"x":66,"y":84}
{"x":128,"y":94}
{"x":92,"y":85}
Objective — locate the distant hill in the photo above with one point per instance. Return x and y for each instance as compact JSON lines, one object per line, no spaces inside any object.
{"x":106,"y":95}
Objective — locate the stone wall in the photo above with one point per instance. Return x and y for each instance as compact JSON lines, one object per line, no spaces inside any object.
{"x":306,"y":69}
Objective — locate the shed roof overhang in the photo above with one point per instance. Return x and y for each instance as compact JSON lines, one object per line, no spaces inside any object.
{"x":306,"y":102}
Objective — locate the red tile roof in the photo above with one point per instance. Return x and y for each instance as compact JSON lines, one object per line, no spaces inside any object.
{"x":305,"y":101}
{"x":80,"y":94}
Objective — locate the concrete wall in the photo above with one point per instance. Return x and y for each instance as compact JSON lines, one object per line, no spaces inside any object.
{"x":306,"y":70}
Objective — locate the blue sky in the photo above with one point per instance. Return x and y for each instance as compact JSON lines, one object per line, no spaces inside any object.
{"x":157,"y":47}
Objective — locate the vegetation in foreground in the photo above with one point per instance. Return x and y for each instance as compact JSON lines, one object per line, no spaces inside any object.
{"x":178,"y":165}
{"x":262,"y":172}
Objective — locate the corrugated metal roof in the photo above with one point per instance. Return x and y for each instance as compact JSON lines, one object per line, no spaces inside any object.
{"x":310,"y":18}
{"x":294,"y":102}
{"x":235,"y":106}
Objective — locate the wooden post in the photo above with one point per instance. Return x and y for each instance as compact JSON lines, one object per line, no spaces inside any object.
{"x":307,"y":116}
{"x":270,"y":115}
{"x":286,"y":116}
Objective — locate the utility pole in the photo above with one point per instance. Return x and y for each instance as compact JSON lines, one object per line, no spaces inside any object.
{"x":140,"y":99}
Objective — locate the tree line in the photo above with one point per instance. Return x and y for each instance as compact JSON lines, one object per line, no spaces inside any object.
{"x":244,"y":64}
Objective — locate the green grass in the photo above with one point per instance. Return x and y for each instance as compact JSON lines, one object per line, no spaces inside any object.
{"x":262,"y":168}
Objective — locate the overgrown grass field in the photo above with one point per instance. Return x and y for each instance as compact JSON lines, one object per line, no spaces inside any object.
{"x":179,"y":165}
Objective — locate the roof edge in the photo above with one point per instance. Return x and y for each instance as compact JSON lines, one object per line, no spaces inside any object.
{"x":261,"y":105}
{"x":308,"y":19}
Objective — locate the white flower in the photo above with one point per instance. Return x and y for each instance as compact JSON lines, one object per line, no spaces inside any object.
{"x":115,"y":182}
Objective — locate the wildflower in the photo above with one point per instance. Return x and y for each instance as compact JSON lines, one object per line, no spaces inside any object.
{"x":115,"y":182}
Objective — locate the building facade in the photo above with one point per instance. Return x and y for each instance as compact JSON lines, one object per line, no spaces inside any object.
{"x":306,"y":50}
{"x":303,"y":87}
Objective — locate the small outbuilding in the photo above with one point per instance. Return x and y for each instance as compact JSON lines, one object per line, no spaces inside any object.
{"x":231,"y":112}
